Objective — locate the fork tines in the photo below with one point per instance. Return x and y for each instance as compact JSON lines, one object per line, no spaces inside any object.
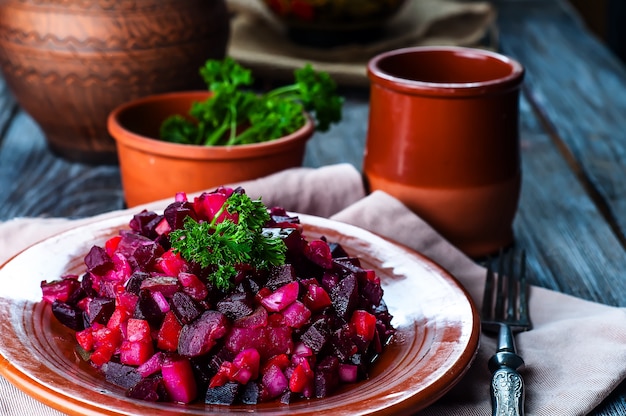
{"x":506,"y":294}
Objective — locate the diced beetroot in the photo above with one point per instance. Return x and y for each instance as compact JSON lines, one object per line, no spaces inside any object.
{"x":163,"y":227}
{"x":169,"y":332}
{"x":302,"y":350}
{"x":301,"y":377}
{"x":136,"y":352}
{"x":199,"y":336}
{"x":159,"y":299}
{"x":223,"y":375}
{"x":176,"y":213}
{"x":148,"y":309}
{"x":140,"y":221}
{"x":250,"y":393}
{"x":85,"y":339}
{"x":161,"y":331}
{"x":318,"y":252}
{"x":138,"y":330}
{"x":121,"y":374}
{"x":281,"y":361}
{"x":70,"y":316}
{"x":106,"y":337}
{"x":326,"y":376}
{"x":167,"y":285}
{"x":178,"y":379}
{"x":111,"y":245}
{"x":101,"y":356}
{"x":133,"y":284}
{"x":262,"y":293}
{"x":348,"y":373}
{"x":316,"y":336}
{"x":258,"y":318}
{"x":193,"y":286}
{"x":337,"y":250}
{"x":281,"y":297}
{"x":240,"y":338}
{"x":280,"y":276}
{"x":225,"y":394}
{"x":329,"y":281}
{"x":279,"y":340}
{"x":372,"y":276}
{"x":343,"y":342}
{"x":147,"y":389}
{"x":296,"y":315}
{"x":208,"y":204}
{"x":345,"y":296}
{"x":364,"y":324}
{"x":98,"y":261}
{"x":121,"y":269}
{"x":100,"y":310}
{"x":236,"y":305}
{"x":145,"y":256}
{"x":152,"y":365}
{"x":185,"y":308}
{"x":316,"y":298}
{"x":119,"y":316}
{"x":268,"y":341}
{"x":60,"y":290}
{"x":170,"y":263}
{"x":127,"y":300}
{"x":274,"y":381}
{"x":246,"y":365}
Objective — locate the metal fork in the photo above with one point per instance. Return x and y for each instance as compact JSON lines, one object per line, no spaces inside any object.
{"x":505,"y":312}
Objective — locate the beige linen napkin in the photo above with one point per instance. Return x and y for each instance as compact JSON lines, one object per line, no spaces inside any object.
{"x":258,"y":40}
{"x":575,"y":355}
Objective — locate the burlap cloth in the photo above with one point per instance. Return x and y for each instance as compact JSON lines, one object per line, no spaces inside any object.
{"x":258,"y":40}
{"x":575,"y":355}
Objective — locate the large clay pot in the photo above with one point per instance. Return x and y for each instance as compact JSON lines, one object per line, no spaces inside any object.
{"x":70,"y":62}
{"x":443,"y":137}
{"x":153,"y":169}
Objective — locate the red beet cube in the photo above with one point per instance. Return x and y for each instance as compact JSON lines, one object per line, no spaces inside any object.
{"x":167,"y":339}
{"x":178,"y":379}
{"x":364,"y":324}
{"x":136,"y":352}
{"x":281,"y":297}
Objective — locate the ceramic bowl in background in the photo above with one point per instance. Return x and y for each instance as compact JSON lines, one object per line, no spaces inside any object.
{"x":443,"y":137}
{"x":331,"y":22}
{"x":153,"y":169}
{"x":69,"y":63}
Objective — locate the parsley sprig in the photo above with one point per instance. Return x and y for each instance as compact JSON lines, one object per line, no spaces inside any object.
{"x":227,"y":244}
{"x":235,"y":115}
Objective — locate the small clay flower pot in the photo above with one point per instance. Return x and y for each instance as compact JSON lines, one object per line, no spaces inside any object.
{"x":443,"y":137}
{"x":153,"y":169}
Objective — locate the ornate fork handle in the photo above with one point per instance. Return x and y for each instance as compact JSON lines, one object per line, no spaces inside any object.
{"x":507,"y":385}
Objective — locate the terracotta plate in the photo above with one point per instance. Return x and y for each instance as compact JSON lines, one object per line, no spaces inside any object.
{"x":437,"y":338}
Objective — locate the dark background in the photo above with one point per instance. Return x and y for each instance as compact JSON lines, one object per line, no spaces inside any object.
{"x":607,"y":19}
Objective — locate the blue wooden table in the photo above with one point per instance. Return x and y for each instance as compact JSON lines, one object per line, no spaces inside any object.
{"x":572,"y":215}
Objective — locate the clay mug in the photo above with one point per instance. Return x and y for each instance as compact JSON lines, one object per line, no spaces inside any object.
{"x":443,"y":137}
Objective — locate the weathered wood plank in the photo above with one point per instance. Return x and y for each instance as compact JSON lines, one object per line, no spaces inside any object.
{"x":579,"y":87}
{"x":8,"y":107}
{"x":36,"y":183}
{"x":571,"y":247}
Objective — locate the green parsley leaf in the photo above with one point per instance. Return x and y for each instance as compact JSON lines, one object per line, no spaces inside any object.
{"x":234,"y":115}
{"x":225,"y":245}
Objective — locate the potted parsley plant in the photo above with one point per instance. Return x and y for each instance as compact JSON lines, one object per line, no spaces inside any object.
{"x":194,"y":140}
